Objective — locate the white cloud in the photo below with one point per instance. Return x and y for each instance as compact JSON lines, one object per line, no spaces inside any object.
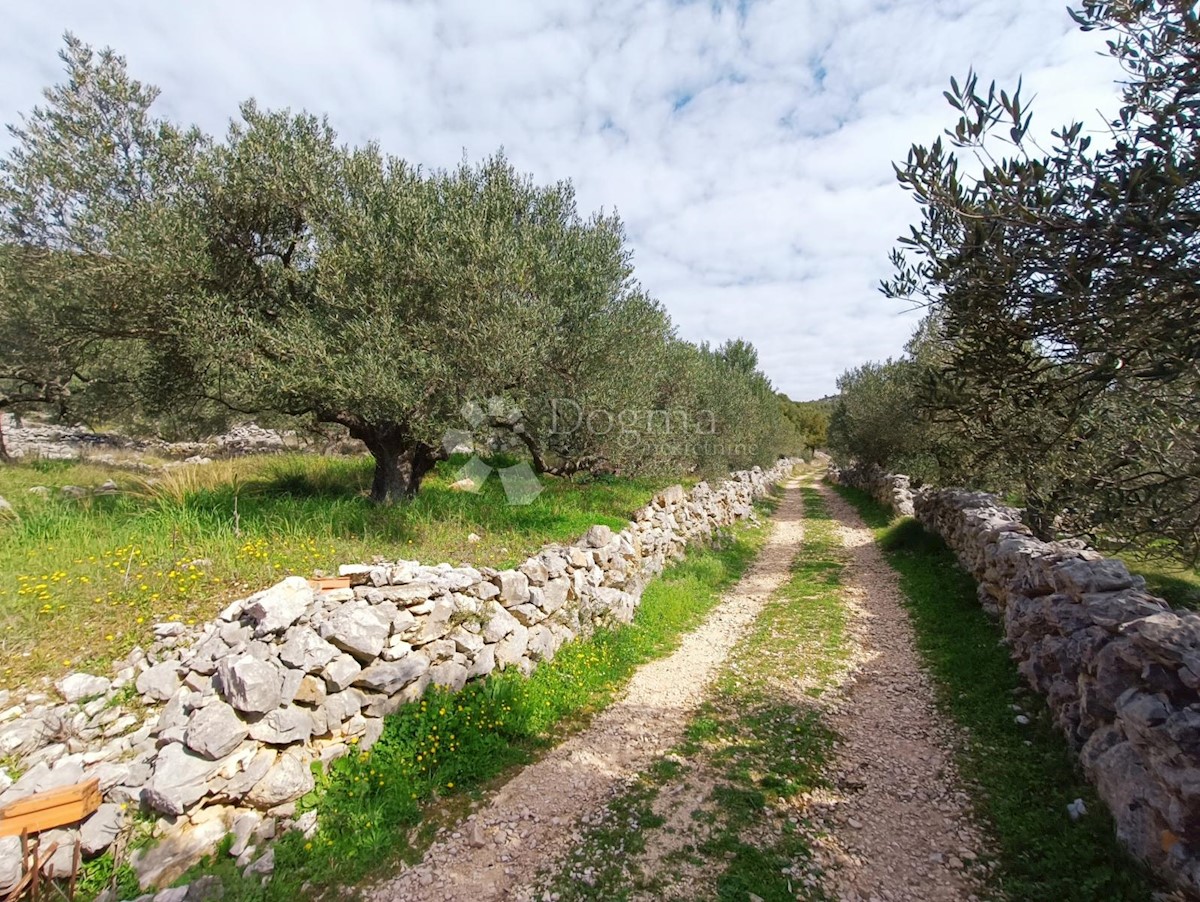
{"x":748,"y":145}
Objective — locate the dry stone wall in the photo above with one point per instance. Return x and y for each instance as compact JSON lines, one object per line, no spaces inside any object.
{"x":216,"y":729}
{"x":1119,"y":669}
{"x":892,"y":490}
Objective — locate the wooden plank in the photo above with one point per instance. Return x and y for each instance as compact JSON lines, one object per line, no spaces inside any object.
{"x":55,"y":808}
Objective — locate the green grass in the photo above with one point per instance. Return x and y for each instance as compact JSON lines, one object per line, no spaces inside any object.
{"x":448,"y":747}
{"x":1023,"y":776}
{"x":1170,"y":580}
{"x":764,"y":739}
{"x":82,"y":582}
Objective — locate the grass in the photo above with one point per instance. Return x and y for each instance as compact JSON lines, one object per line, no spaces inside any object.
{"x":1023,"y":776}
{"x":766,"y":744}
{"x":448,"y":747}
{"x":1167,"y":579}
{"x":83,"y":581}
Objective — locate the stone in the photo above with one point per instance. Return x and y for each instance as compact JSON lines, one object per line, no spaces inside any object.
{"x":512,"y":648}
{"x":250,"y":685}
{"x":597,"y":536}
{"x":255,"y":769}
{"x":286,"y":781}
{"x":356,"y":628}
{"x":304,"y":650}
{"x":360,"y":574}
{"x":536,"y":572}
{"x":341,"y":706}
{"x":21,"y":737}
{"x":499,"y":625}
{"x":73,"y":492}
{"x":180,"y":779}
{"x":43,"y":778}
{"x":79,"y":686}
{"x":264,"y":867}
{"x":340,"y":673}
{"x":407,"y":593}
{"x":58,"y":865}
{"x":275,"y":609}
{"x":543,"y":643}
{"x":100,"y":830}
{"x":245,"y":826}
{"x":450,"y":674}
{"x":529,"y":614}
{"x":483,"y":664}
{"x":514,"y":587}
{"x":215,"y":730}
{"x":174,"y":853}
{"x":159,"y":682}
{"x":311,"y":692}
{"x":208,"y":888}
{"x":467,"y":642}
{"x":283,"y":726}
{"x":396,"y":649}
{"x":10,"y":863}
{"x":389,"y":677}
{"x":170,"y":629}
{"x":554,"y":594}
{"x":436,"y":623}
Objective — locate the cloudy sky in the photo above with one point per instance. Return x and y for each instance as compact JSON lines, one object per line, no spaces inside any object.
{"x":747,"y":145}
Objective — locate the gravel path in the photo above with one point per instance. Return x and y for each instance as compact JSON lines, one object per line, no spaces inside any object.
{"x":899,"y":820}
{"x":529,"y":822}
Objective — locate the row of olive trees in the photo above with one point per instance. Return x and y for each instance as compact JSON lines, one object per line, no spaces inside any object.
{"x":154,"y":273}
{"x":1061,"y":358}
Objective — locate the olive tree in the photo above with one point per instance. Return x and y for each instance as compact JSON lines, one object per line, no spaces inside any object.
{"x":87,"y":237}
{"x":1065,"y":279}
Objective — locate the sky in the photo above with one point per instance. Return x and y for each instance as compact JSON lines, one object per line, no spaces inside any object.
{"x":748,"y":146}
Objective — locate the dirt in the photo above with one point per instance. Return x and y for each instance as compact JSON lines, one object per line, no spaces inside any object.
{"x":899,"y":822}
{"x":528,"y":824}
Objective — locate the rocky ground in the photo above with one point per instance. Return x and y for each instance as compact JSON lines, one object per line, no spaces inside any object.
{"x":900,"y":825}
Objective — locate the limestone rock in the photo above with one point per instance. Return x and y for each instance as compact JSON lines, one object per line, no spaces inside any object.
{"x":389,"y":677}
{"x":436,"y":623}
{"x":250,"y":685}
{"x":484,"y":663}
{"x":499,"y":625}
{"x":215,"y":730}
{"x":311,"y":692}
{"x":10,"y":863}
{"x":283,"y":726}
{"x":277,"y":608}
{"x":180,"y":779}
{"x":305,"y":650}
{"x":451,"y":675}
{"x":23,"y":736}
{"x":286,"y":781}
{"x":166,"y":860}
{"x":78,"y":686}
{"x":514,"y":587}
{"x":159,"y":682}
{"x":357,"y":629}
{"x":598,"y":536}
{"x":340,"y":673}
{"x":511,"y":649}
{"x":98,"y":831}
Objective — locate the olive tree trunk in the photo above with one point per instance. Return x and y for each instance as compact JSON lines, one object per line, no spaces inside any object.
{"x":400,"y":462}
